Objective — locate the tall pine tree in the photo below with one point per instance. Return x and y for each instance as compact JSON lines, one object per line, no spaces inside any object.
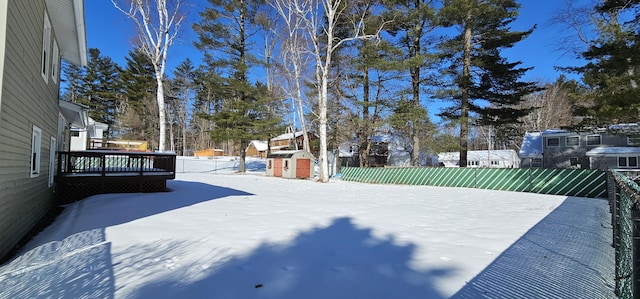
{"x":101,"y":88}
{"x":413,"y":32}
{"x":613,"y":69}
{"x":224,"y":34}
{"x":485,"y":85}
{"x":138,"y":110}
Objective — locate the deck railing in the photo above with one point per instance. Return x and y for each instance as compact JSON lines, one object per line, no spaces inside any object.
{"x":115,"y":163}
{"x":85,"y":173}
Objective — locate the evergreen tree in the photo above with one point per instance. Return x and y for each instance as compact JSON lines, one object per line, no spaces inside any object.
{"x":224,"y":34}
{"x":413,"y":31}
{"x":138,"y":111}
{"x":485,"y":85}
{"x":101,"y":88}
{"x":73,"y":76}
{"x":613,"y":69}
{"x":182,"y":87}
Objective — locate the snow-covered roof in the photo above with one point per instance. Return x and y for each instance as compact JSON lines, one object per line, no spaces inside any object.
{"x":260,"y":145}
{"x":387,"y":138}
{"x":287,"y":136}
{"x":613,"y":151}
{"x":531,"y":145}
{"x":479,"y":155}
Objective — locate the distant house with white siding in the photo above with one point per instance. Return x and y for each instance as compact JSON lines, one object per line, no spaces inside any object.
{"x":34,"y":36}
{"x":89,"y":137}
{"x":482,"y":159}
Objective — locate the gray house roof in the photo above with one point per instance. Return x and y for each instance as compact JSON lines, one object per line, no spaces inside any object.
{"x":531,"y":145}
{"x":613,"y":151}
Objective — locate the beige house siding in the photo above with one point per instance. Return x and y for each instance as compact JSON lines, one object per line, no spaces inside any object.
{"x":27,"y":100}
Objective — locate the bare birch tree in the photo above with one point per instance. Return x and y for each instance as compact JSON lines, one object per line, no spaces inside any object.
{"x":156,"y":33}
{"x":293,"y":52}
{"x":320,"y":19}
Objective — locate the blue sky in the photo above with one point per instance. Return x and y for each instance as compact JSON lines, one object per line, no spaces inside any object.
{"x":111,"y":32}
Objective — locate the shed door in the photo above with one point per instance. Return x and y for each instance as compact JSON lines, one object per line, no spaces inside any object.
{"x":303,"y":168}
{"x":277,"y":167}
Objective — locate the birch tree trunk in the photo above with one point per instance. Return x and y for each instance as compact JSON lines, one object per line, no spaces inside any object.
{"x":156,"y":33}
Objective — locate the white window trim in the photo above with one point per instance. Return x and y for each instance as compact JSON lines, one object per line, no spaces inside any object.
{"x":536,"y":162}
{"x":556,"y":138}
{"x":46,"y":48}
{"x":629,"y":142}
{"x":591,"y":144}
{"x":566,"y":141}
{"x":627,"y":164}
{"x":55,"y":62}
{"x":36,"y":149}
{"x":52,"y":160}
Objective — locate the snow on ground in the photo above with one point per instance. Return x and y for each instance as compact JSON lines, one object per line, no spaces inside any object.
{"x":218,"y":234}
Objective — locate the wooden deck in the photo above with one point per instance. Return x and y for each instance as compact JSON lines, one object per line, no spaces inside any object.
{"x":85,"y":173}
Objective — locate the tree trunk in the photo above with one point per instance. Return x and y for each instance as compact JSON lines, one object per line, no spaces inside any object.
{"x":161,"y":113}
{"x":464,"y":100}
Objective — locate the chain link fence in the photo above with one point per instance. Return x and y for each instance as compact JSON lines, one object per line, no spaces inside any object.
{"x":624,"y":199}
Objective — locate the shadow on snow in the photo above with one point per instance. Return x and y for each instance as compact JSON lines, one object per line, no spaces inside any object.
{"x":555,"y":259}
{"x":77,"y":263}
{"x":337,"y":261}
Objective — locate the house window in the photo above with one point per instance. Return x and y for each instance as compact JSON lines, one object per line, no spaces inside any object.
{"x":572,"y":141}
{"x":628,"y":162}
{"x":553,"y":142}
{"x":495,"y":162}
{"x":573,"y":161}
{"x":52,"y":160}
{"x":633,"y":140}
{"x":36,"y":137}
{"x":55,"y":62}
{"x":46,"y":49}
{"x":594,"y":140}
{"x":536,"y":162}
{"x":75,"y":133}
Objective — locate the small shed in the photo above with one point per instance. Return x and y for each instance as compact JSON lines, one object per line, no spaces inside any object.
{"x":292,"y":164}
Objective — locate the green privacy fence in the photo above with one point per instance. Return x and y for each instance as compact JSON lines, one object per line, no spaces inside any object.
{"x":570,"y":182}
{"x":624,"y":199}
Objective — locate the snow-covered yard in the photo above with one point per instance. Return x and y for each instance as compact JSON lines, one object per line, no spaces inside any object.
{"x":218,"y":234}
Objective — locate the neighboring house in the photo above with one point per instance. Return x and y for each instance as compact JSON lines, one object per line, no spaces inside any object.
{"x":580,"y":150}
{"x":34,"y":36}
{"x":292,"y":141}
{"x":257,"y":148}
{"x":387,"y":149}
{"x":482,"y":159}
{"x":614,"y":158}
{"x":89,"y":137}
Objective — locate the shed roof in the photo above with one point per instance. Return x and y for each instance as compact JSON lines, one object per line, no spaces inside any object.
{"x":286,"y":153}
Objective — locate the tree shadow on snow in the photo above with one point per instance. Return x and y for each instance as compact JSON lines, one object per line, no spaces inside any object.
{"x":76,"y":261}
{"x":126,"y":207}
{"x":78,"y":266}
{"x":566,"y":255}
{"x":337,"y":261}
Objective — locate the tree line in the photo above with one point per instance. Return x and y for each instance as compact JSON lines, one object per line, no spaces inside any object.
{"x":349,"y":70}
